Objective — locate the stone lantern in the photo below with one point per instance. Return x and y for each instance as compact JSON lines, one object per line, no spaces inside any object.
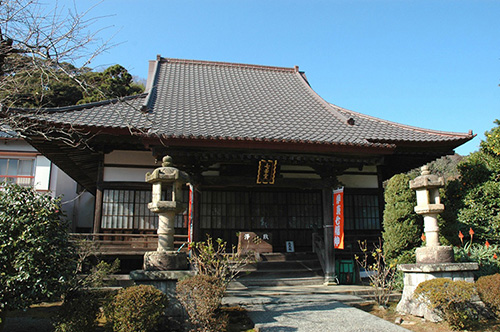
{"x":167,"y":184}
{"x":433,"y":260}
{"x":429,"y":206}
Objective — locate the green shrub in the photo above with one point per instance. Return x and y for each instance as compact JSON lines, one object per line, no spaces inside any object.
{"x":36,"y":259}
{"x":452,"y":300}
{"x":483,"y":255}
{"x":201,"y":296}
{"x":136,"y":309}
{"x":402,"y":226}
{"x":79,"y":312}
{"x":488,"y":288}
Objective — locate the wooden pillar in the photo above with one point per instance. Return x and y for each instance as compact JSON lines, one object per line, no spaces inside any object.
{"x":98,"y":199}
{"x":381,"y":199}
{"x":330,"y":273}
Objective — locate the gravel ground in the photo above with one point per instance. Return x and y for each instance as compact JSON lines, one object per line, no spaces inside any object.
{"x":314,"y":316}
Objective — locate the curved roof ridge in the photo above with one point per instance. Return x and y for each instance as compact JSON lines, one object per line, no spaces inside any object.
{"x":404,"y":126}
{"x":81,"y":106}
{"x":229,"y":64}
{"x":327,"y":105}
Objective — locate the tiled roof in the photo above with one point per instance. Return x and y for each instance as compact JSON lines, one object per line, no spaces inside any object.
{"x":214,"y":100}
{"x":6,"y":132}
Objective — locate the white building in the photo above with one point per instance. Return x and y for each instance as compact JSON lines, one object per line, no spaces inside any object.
{"x":22,"y":164}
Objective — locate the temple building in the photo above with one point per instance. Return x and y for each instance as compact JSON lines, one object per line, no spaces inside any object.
{"x":264,"y":153}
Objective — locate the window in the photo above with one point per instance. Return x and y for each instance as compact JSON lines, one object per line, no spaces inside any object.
{"x":18,"y":171}
{"x":128,"y":209}
{"x":361,"y":212}
{"x":260,"y":210}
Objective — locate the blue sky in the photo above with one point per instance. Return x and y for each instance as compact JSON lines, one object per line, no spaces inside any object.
{"x":432,"y":64}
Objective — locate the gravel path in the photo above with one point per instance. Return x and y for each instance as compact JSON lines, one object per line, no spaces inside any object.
{"x":314,"y":316}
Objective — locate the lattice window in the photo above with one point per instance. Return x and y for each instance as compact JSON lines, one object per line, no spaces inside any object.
{"x":260,"y":210}
{"x":361,"y":212}
{"x":128,"y":209}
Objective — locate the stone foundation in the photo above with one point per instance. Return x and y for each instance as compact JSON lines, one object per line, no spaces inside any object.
{"x":414,"y":274}
{"x":165,"y":261}
{"x":432,"y":255}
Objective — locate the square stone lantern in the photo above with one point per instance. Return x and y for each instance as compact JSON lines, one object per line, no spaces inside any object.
{"x":433,"y":260}
{"x":165,"y":266}
{"x":429,"y":206}
{"x":167,"y":184}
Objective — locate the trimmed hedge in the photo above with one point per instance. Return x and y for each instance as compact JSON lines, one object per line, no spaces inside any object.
{"x":488,"y":288}
{"x":136,"y":309}
{"x":201,"y":296}
{"x":452,"y":300}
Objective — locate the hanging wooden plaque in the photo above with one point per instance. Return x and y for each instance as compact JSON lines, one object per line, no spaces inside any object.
{"x":266,"y":173}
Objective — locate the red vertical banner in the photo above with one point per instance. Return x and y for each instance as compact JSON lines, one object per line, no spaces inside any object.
{"x":190,"y":213}
{"x":338,"y":218}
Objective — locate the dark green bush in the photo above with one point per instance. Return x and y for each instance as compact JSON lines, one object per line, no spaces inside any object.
{"x":136,"y":309}
{"x":79,"y":312}
{"x":452,"y":300}
{"x":36,"y":259}
{"x":201,"y":296}
{"x":402,"y":226}
{"x":488,"y":288}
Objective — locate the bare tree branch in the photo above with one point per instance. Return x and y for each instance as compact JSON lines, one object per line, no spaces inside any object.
{"x":37,"y":42}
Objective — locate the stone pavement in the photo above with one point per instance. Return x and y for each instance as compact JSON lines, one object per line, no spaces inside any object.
{"x":308,"y":308}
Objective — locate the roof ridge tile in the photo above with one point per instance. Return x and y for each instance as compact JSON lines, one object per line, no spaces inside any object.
{"x":229,"y":64}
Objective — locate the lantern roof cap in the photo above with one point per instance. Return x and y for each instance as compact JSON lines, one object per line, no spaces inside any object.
{"x":167,"y":173}
{"x":426,"y":180}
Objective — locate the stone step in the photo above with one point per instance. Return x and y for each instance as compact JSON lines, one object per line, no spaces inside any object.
{"x":278,"y":274}
{"x":288,"y":256}
{"x":266,"y":281}
{"x":119,"y":280}
{"x":291,"y":265}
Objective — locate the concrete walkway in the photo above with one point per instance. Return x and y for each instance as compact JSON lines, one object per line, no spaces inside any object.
{"x":308,"y":308}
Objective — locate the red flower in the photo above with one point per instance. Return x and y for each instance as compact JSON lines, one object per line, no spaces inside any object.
{"x":487,"y":244}
{"x":471,"y":232}
{"x":422,"y":237}
{"x":461,"y":236}
{"x":495,"y":256}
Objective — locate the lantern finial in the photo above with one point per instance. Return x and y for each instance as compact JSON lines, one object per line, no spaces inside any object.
{"x":167,"y":161}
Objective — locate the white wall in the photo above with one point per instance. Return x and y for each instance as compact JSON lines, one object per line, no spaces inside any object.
{"x":42,"y":173}
{"x":17,"y":145}
{"x":49,"y":178}
{"x":137,"y":158}
{"x":124,"y":174}
{"x":363,"y":178}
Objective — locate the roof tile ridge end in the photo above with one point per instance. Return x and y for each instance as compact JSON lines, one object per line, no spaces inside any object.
{"x":151,"y":85}
{"x":409,"y":127}
{"x":327,"y":105}
{"x":228,"y":64}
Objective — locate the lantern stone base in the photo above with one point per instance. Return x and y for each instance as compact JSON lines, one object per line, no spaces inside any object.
{"x":166,"y":282}
{"x":165,"y":261}
{"x":414,"y":274}
{"x":432,"y":255}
